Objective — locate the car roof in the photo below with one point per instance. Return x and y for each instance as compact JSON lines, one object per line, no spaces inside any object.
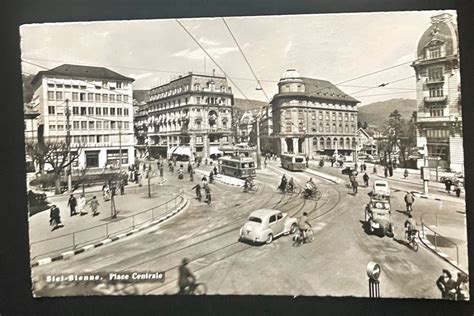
{"x":380,"y":182}
{"x":262,"y":213}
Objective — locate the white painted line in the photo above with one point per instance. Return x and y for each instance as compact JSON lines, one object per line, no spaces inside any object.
{"x":44,"y":261}
{"x":134,"y":230}
{"x":121,"y":236}
{"x":106,"y":241}
{"x":88,"y":247}
{"x":68,"y":254}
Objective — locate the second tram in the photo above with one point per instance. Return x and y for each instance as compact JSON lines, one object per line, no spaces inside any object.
{"x":293,"y":162}
{"x":238,"y":167}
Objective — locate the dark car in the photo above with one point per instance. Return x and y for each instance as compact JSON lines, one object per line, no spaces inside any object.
{"x":348,"y":171}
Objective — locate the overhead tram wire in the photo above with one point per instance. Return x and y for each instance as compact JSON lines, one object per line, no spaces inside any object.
{"x":234,"y":78}
{"x":384,"y":84}
{"x":245,"y":58}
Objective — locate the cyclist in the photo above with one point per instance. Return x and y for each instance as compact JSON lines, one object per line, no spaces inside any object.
{"x":186,"y":279}
{"x":310,"y":187}
{"x":410,"y":227}
{"x":291,"y":185}
{"x":248,"y":184}
{"x":409,"y":200}
{"x":303,"y":224}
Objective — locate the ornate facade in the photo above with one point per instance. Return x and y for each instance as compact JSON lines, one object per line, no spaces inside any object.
{"x":439,"y":117}
{"x":189,"y":116}
{"x":313,"y":116}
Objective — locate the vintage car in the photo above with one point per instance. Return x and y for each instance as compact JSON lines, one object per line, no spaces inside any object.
{"x":266,"y":224}
{"x":349,"y":171}
{"x":378,"y":215}
{"x":381,"y":188}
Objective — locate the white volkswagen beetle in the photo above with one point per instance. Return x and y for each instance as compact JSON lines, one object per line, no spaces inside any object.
{"x":266,"y":224}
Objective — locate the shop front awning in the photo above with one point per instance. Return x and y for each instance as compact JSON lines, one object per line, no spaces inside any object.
{"x":182,"y":151}
{"x":171,"y":150}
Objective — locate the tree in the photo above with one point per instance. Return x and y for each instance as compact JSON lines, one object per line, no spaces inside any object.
{"x":55,"y":153}
{"x":365,"y":126}
{"x":27,"y":88}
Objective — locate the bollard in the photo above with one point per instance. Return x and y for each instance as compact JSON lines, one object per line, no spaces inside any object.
{"x":373,"y":272}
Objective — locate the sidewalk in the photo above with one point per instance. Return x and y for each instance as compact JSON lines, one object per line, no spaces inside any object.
{"x":78,"y":230}
{"x":446,"y":235}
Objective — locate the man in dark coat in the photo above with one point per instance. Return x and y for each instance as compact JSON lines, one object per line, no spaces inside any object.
{"x":446,"y":285}
{"x":366,"y":179}
{"x":54,"y":217}
{"x":72,"y":203}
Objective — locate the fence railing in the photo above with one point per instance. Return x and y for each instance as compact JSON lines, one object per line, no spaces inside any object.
{"x":437,"y":237}
{"x":108,"y":230}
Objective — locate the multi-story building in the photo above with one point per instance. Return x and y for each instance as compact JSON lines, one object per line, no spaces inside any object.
{"x":313,"y":116}
{"x":100,"y":107}
{"x":439,"y":117}
{"x":246,"y":126}
{"x":190,"y":116}
{"x":141,"y":121}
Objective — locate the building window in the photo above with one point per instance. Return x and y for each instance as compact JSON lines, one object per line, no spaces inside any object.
{"x":352,"y":117}
{"x":77,"y":140}
{"x":91,"y":139}
{"x":126,"y":125}
{"x":90,"y":111}
{"x":82,"y":96}
{"x":75,"y":96}
{"x":113,"y":156}
{"x":125,"y":98}
{"x":327,"y":128}
{"x":84,"y":139}
{"x":435,"y":73}
{"x":106,"y":125}
{"x":106,"y":138}
{"x":334,"y":128}
{"x":91,"y":124}
{"x":84,"y":125}
{"x":119,"y":98}
{"x":113,"y":125}
{"x":112,"y":111}
{"x":52,"y":127}
{"x":98,"y":138}
{"x":333,"y":116}
{"x":340,"y":117}
{"x":346,"y":117}
{"x":436,"y":91}
{"x":119,"y":111}
{"x":105,"y":111}
{"x":436,"y":111}
{"x":90,"y":97}
{"x":75,"y":125}
{"x":97,"y":111}
{"x":320,"y":115}
{"x":105,"y":98}
{"x":75,"y":110}
{"x":97,"y":97}
{"x":92,"y":158}
{"x":327,"y":116}
{"x":60,"y":127}
{"x":347,"y":128}
{"x":125,"y":112}
{"x":112,"y":98}
{"x":434,"y":52}
{"x":198,"y":100}
{"x":98,"y":125}
{"x":51,"y":109}
{"x":59,"y":95}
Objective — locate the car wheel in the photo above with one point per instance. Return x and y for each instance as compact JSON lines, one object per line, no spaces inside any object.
{"x":293,"y":229}
{"x":269,"y":239}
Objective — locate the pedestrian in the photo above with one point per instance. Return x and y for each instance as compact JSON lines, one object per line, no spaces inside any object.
{"x":139,"y":179}
{"x":462,"y":287}
{"x":197,"y":189}
{"x":366,"y":179}
{"x":211,"y":177}
{"x":332,"y":162}
{"x":82,"y":205}
{"x":54,"y":217}
{"x":190,"y":168}
{"x":208,"y":194}
{"x":457,"y":187}
{"x":446,"y":285}
{"x":122,"y":187}
{"x":354,"y":186}
{"x":390,"y":170}
{"x":409,"y":200}
{"x":130,"y":172}
{"x":375,"y":169}
{"x":215,"y":171}
{"x":94,"y":204}
{"x":191,"y":175}
{"x":361,"y":168}
{"x":385,"y":171}
{"x":72,"y":203}
{"x":161,"y":170}
{"x":307,"y":161}
{"x":265,"y":162}
{"x":447,"y":185}
{"x":356,"y":166}
{"x":405,"y":174}
{"x":204,"y":181}
{"x":172,"y":169}
{"x":135,"y":176}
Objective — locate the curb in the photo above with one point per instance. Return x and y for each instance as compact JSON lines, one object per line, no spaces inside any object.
{"x":71,"y":253}
{"x":225,"y":179}
{"x":439,"y":253}
{"x":330,"y":178}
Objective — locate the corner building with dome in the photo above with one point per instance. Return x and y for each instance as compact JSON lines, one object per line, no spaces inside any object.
{"x":438,"y":89}
{"x":313,"y":117}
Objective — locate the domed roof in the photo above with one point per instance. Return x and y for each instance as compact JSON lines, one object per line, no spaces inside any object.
{"x":291,"y":74}
{"x":443,"y":30}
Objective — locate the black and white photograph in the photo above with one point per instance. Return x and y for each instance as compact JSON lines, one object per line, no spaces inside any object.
{"x":290,"y":155}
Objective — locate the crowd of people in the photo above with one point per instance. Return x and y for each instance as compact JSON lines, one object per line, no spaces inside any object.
{"x":453,"y":289}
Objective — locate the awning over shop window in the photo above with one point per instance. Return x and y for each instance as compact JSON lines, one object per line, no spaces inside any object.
{"x":183,"y":151}
{"x":171,"y":150}
{"x":214,"y":150}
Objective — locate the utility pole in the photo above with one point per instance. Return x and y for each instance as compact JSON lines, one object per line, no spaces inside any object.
{"x":68,"y":145}
{"x":426,"y":173}
{"x":259,"y":162}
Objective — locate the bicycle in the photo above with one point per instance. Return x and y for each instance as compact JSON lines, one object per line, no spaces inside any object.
{"x":315,"y":194}
{"x":196,"y":289}
{"x":298,"y":238}
{"x":252,"y":188}
{"x":411,"y":239}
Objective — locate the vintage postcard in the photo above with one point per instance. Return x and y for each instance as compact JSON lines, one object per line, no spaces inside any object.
{"x":312,"y":155}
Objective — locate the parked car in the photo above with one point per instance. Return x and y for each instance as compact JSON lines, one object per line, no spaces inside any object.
{"x":349,"y":170}
{"x":266,"y":224}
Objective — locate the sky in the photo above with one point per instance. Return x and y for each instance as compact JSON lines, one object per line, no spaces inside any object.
{"x":333,"y":47}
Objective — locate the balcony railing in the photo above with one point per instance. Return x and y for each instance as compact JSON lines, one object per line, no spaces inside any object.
{"x":426,"y":119}
{"x":436,"y":99}
{"x":434,"y":80}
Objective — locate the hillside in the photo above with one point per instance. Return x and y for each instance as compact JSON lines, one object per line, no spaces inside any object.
{"x":377,"y":113}
{"x":243,"y":104}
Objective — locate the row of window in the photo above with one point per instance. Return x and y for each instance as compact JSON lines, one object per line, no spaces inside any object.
{"x":437,"y":133}
{"x":322,"y":128}
{"x":197,"y":87}
{"x":198,"y":100}
{"x":317,"y":104}
{"x":87,"y":97}
{"x":436,"y":91}
{"x":98,"y":85}
{"x":91,"y":125}
{"x":319,"y":114}
{"x":90,"y":139}
{"x":329,"y":143}
{"x":91,"y":110}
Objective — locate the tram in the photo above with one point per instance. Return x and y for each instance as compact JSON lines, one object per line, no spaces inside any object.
{"x":238,"y":167}
{"x":293,"y":162}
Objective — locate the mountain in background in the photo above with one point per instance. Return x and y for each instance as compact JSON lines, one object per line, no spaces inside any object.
{"x":376,"y":114}
{"x":244,"y":105}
